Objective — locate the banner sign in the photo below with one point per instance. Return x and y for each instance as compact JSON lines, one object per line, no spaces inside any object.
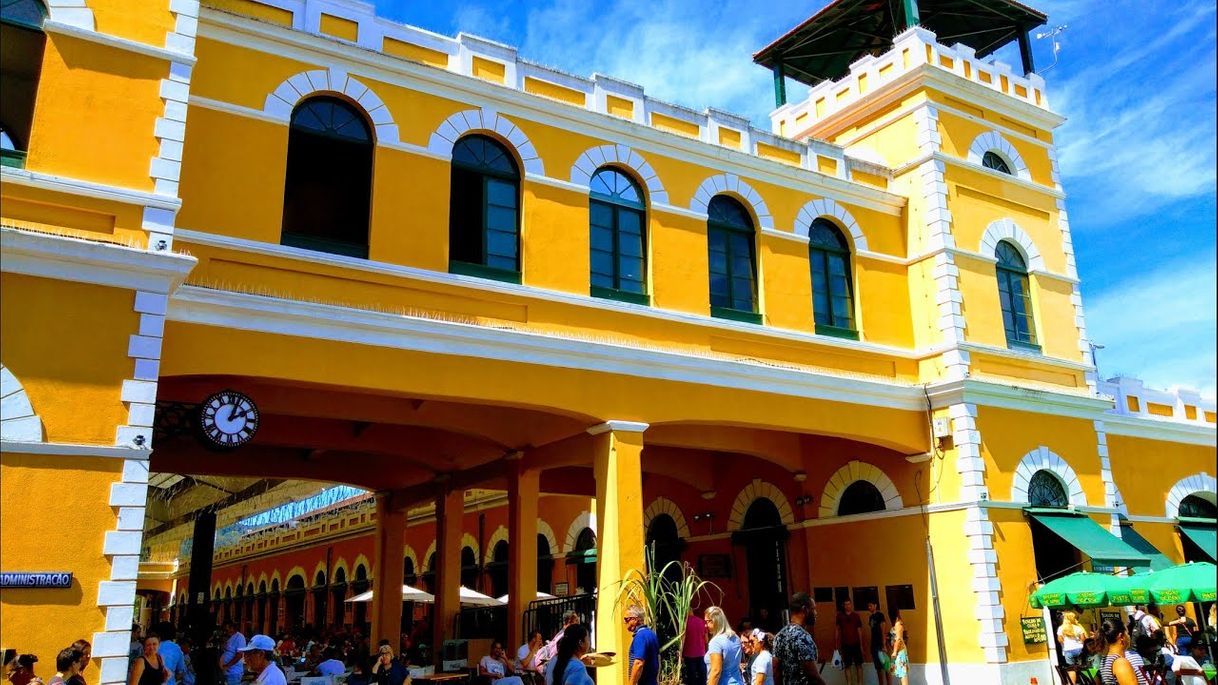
{"x":1033,"y":630}
{"x":37,"y":579}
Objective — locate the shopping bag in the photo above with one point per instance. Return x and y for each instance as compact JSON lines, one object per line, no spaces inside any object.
{"x":837,"y":660}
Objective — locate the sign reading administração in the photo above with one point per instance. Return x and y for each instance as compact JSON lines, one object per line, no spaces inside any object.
{"x":36,"y":579}
{"x":1033,"y":630}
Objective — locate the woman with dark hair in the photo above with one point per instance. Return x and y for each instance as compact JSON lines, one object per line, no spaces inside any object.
{"x":1117,"y":669}
{"x":22,"y":672}
{"x":567,"y":668}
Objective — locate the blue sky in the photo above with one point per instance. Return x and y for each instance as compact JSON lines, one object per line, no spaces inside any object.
{"x":1136,"y":79}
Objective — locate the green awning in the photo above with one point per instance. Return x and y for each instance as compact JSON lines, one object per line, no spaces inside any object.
{"x":1205,"y":537}
{"x":1087,"y":537}
{"x":1134,"y":539}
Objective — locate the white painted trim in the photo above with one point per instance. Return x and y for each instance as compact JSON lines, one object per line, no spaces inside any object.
{"x":82,"y":261}
{"x":329,"y":322}
{"x":546,"y":530}
{"x":992,"y":141}
{"x":663,"y":505}
{"x":470,"y":541}
{"x":500,"y":535}
{"x":486,"y":119}
{"x":1159,"y":429}
{"x":733,"y":185}
{"x":1008,"y":396}
{"x":60,"y":449}
{"x":594,"y":158}
{"x":850,"y":473}
{"x":1044,"y":459}
{"x":93,"y":36}
{"x":1197,"y":483}
{"x":618,"y":427}
{"x":759,"y":489}
{"x":1006,"y":229}
{"x":1026,"y":356}
{"x":582,"y":521}
{"x":827,"y":208}
{"x":18,"y":422}
{"x":283,"y":99}
{"x":421,"y":78}
{"x":100,"y":191}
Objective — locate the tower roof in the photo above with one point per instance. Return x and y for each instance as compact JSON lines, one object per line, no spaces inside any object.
{"x":823,"y":47}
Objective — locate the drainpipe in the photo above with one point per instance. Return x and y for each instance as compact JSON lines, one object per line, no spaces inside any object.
{"x":934,"y":600}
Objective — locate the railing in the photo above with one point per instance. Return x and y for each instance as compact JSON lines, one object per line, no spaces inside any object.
{"x":546,"y":614}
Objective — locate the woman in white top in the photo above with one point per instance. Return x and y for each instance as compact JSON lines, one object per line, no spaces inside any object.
{"x":762,"y":670}
{"x":1071,"y":636}
{"x":496,"y":667}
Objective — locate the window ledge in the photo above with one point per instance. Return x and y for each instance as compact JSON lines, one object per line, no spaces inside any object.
{"x":1024,"y":346}
{"x":837,"y":332}
{"x":306,"y":242}
{"x":621,"y":295}
{"x":735,"y":315}
{"x":483,"y":271}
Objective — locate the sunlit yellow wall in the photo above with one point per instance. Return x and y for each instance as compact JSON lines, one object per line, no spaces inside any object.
{"x":1052,"y":309}
{"x":1008,"y":435}
{"x":67,"y":345}
{"x":886,"y":132}
{"x":1017,"y":574}
{"x":80,"y":217}
{"x":1145,"y":470}
{"x":977,"y":199}
{"x":143,"y":22}
{"x":958,"y":133}
{"x":95,"y":113}
{"x":55,"y":512}
{"x":957,"y":602}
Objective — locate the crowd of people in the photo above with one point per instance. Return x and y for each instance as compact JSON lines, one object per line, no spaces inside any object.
{"x":1148,"y":649}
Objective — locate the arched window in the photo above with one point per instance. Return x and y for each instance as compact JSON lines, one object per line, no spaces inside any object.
{"x":328,"y":186}
{"x":733,"y":260}
{"x":1045,"y":490}
{"x":20,"y":66}
{"x":617,"y":218}
{"x":484,"y":210}
{"x":992,"y":160}
{"x":469,"y":568}
{"x":1015,"y":296}
{"x":498,"y":569}
{"x":408,"y":574}
{"x":545,"y":564}
{"x":832,"y":285}
{"x":1196,"y":506}
{"x":860,"y":497}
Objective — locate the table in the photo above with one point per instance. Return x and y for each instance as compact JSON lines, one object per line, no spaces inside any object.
{"x":444,"y":678}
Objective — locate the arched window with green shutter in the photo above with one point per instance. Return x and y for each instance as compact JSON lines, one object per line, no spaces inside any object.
{"x":328,"y":185}
{"x":484,"y":210}
{"x":618,"y":237}
{"x":731,"y":244}
{"x":23,"y":41}
{"x":1015,"y":296}
{"x":832,"y":282}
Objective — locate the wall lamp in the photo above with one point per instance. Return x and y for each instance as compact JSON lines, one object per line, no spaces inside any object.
{"x":803,"y":499}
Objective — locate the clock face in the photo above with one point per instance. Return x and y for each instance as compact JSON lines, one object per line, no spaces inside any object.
{"x":229,"y":419}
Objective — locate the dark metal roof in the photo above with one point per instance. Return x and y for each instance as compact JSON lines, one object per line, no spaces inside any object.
{"x":823,"y":47}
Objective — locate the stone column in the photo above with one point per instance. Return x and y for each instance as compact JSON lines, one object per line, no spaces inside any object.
{"x":522,"y":548}
{"x":387,"y":569}
{"x":450,"y":509}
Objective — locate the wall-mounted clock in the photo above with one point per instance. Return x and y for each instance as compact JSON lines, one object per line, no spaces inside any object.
{"x":229,"y":419}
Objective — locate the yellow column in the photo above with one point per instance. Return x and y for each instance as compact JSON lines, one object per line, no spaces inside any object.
{"x":619,"y":540}
{"x":522,"y":548}
{"x":387,"y":569}
{"x":450,"y":508}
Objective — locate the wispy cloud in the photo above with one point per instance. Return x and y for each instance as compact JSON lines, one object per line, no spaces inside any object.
{"x":1160,"y":326}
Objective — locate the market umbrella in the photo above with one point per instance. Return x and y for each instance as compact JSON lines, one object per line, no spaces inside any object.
{"x":1085,"y":589}
{"x":540,"y":595}
{"x":409,"y":594}
{"x":1192,"y":582}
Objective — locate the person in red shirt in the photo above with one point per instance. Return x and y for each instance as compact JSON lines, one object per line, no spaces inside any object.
{"x":694,"y":651}
{"x":849,"y":635}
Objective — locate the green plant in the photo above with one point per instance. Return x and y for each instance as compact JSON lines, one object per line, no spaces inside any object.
{"x":666,"y":595}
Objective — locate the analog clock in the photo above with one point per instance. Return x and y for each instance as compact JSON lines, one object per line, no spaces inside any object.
{"x":229,"y":419}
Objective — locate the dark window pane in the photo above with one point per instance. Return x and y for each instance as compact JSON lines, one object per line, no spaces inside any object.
{"x":500,"y":219}
{"x":823,"y":233}
{"x":630,"y":222}
{"x":602,"y":280}
{"x":601,"y":214}
{"x":602,"y":262}
{"x":615,"y":185}
{"x":501,"y":193}
{"x":501,"y":244}
{"x":728,"y":212}
{"x":991,"y":160}
{"x":630,"y":245}
{"x":1010,"y":257}
{"x":602,"y":238}
{"x":484,"y":154}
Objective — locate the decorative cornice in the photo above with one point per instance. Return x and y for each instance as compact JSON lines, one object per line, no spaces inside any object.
{"x":117,"y":42}
{"x":57,"y":449}
{"x":100,"y":191}
{"x":82,"y":261}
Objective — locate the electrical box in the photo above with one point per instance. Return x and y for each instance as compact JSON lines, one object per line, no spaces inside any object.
{"x":942,"y":427}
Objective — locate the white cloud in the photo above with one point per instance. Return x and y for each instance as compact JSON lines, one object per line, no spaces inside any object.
{"x":1160,"y":327}
{"x":480,"y":21}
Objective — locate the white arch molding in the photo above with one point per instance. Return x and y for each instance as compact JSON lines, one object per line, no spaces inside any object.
{"x":754,"y":491}
{"x":851,"y":473}
{"x":486,"y":119}
{"x":595,"y":158}
{"x":409,"y":553}
{"x":18,"y":422}
{"x":825,"y":207}
{"x":431,"y":550}
{"x":470,"y":541}
{"x":280,"y":102}
{"x":663,"y":505}
{"x":1005,"y":229}
{"x":992,"y":141}
{"x":545,"y":530}
{"x":584,"y":520}
{"x":500,"y":535}
{"x":1043,"y":459}
{"x":731,"y":184}
{"x":1198,"y":483}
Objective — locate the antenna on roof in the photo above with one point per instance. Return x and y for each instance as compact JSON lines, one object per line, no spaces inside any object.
{"x":1057,"y":46}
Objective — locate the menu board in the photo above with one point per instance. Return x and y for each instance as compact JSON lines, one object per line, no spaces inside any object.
{"x":1033,"y":630}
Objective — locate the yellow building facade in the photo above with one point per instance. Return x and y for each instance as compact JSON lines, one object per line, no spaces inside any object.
{"x":880,"y":290}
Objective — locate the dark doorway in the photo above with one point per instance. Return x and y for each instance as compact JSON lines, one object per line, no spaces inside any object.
{"x":359,"y":617}
{"x":764,"y":538}
{"x":338,"y":590}
{"x":584,"y":558}
{"x":294,"y":598}
{"x":1054,"y":556}
{"x":319,"y":599}
{"x":545,"y":564}
{"x":469,"y":568}
{"x":498,"y":569}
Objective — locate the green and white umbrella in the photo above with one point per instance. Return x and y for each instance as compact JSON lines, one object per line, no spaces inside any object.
{"x":1085,"y":590}
{"x":1192,"y":582}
